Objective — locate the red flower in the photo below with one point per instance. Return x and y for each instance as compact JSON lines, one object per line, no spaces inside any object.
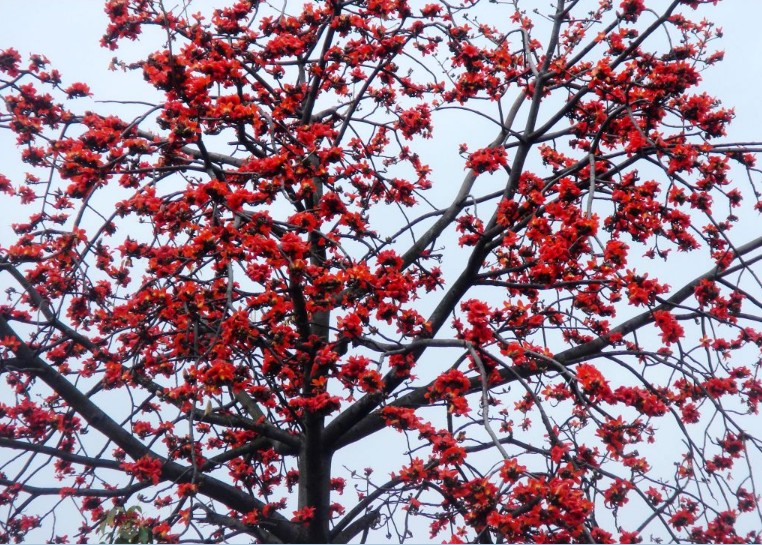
{"x":631,"y":9}
{"x":682,"y":518}
{"x":671,"y":330}
{"x":616,"y":494}
{"x":304,"y":515}
{"x":186,"y":489}
{"x":144,"y":469}
{"x":76,"y":90}
{"x":487,"y":160}
{"x":592,"y":381}
{"x":9,"y":62}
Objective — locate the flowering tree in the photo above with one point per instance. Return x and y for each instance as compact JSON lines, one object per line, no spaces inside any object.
{"x":367,"y":233}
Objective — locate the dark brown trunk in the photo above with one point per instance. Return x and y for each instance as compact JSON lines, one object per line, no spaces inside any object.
{"x":315,"y":480}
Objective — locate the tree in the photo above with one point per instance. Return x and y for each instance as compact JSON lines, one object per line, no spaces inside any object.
{"x":228,"y":313}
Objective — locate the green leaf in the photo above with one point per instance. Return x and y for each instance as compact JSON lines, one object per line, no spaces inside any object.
{"x":144,"y":536}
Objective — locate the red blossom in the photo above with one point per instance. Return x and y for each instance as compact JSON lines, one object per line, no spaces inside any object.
{"x":76,"y":90}
{"x":631,"y":9}
{"x":144,"y":469}
{"x":682,"y":518}
{"x":487,"y":160}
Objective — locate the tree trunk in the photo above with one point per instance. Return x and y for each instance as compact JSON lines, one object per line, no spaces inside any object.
{"x":315,"y":480}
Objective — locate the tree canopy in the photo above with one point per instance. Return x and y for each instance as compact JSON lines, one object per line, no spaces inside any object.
{"x":355,"y":270}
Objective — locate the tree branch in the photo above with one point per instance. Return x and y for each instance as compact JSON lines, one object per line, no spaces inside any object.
{"x":417,"y":398}
{"x":224,"y":493}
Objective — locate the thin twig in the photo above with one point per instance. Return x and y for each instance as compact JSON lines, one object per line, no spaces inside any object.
{"x":485,"y":399}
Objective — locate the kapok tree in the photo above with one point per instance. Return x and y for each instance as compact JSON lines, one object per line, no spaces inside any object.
{"x":455,"y":271}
